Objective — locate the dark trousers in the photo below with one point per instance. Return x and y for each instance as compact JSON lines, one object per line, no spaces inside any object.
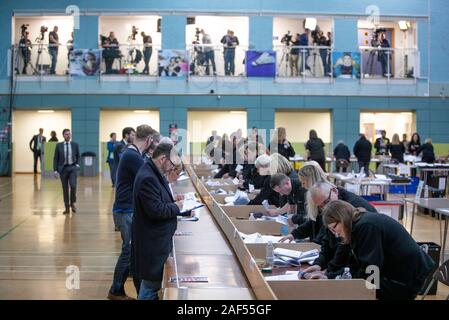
{"x":109,"y":62}
{"x":365,"y":166}
{"x":122,"y":267}
{"x":322,"y":163}
{"x":229,"y":57}
{"x":146,"y":58}
{"x":111,"y":171}
{"x":68,"y":178}
{"x":54,"y":58}
{"x":209,"y":59}
{"x":37,"y":154}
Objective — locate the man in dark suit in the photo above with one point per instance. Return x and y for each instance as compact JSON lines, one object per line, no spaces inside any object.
{"x":128,"y":135}
{"x":154,"y":220}
{"x":362,"y":151}
{"x":36,"y":144}
{"x":65,"y":164}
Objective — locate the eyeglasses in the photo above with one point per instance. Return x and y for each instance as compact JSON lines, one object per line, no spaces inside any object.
{"x":332,"y":228}
{"x":325,"y":202}
{"x":171,"y":162}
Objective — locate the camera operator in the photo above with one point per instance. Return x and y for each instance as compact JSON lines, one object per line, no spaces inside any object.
{"x":209,"y":54}
{"x":229,"y":43}
{"x":53,"y":47}
{"x":147,"y":51}
{"x":385,"y":55}
{"x":304,"y":42}
{"x":111,"y":51}
{"x":25,"y":50}
{"x":294,"y":55}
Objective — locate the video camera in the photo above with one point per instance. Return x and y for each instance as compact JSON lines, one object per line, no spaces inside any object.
{"x":316,"y":35}
{"x":197,"y":35}
{"x":287,"y":38}
{"x":134,"y":32}
{"x":42,"y":31}
{"x":24,"y":28}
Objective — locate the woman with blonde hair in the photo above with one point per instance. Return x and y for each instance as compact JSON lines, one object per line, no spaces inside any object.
{"x":284,"y":147}
{"x":396,"y":148}
{"x":378,"y":240}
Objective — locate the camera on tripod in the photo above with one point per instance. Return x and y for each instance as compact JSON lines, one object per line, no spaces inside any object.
{"x":134,"y":32}
{"x":42,"y":31}
{"x":316,"y":35}
{"x":24,"y":28}
{"x":197,"y":35}
{"x":287,"y":38}
{"x":375,"y":40}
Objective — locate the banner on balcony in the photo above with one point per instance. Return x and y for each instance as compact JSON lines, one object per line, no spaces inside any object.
{"x":85,"y":62}
{"x":346,"y":65}
{"x":173,"y":63}
{"x":260,"y":63}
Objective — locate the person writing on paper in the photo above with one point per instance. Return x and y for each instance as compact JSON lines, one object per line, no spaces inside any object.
{"x":291,"y":197}
{"x":249,"y":175}
{"x":154,"y":220}
{"x":378,"y":240}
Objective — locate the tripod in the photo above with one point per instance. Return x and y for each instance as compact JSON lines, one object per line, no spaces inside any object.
{"x":285,"y":59}
{"x":370,"y":62}
{"x":40,"y":47}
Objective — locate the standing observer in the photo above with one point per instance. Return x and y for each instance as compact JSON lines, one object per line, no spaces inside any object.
{"x":53,"y":47}
{"x":36,"y":144}
{"x":154,"y":220}
{"x":65,"y":164}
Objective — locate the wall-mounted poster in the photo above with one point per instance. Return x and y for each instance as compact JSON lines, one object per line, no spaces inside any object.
{"x":173,"y":63}
{"x":85,"y":62}
{"x":346,"y":65}
{"x":260,"y":63}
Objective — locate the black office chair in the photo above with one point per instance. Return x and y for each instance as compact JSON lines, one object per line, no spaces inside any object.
{"x":342,"y":164}
{"x":441,"y":275}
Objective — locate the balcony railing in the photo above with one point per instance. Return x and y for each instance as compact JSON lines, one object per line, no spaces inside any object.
{"x":304,"y":61}
{"x":389,"y":63}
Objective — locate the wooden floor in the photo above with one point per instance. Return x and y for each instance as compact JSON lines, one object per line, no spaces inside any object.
{"x":38,"y":243}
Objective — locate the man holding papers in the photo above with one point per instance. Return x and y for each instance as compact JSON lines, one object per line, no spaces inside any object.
{"x":154,"y":221}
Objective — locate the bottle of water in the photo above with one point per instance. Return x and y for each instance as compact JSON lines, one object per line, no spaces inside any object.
{"x":269,"y":259}
{"x":346,"y":274}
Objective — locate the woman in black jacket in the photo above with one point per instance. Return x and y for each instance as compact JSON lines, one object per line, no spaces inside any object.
{"x":315,"y":147}
{"x":284,"y":147}
{"x":428,"y":155}
{"x":414,"y":144}
{"x":379,"y":241}
{"x":396,"y":148}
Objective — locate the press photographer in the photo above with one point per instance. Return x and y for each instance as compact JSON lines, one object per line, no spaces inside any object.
{"x":25,"y":48}
{"x":53,"y":47}
{"x":111,"y":51}
{"x":230,"y":42}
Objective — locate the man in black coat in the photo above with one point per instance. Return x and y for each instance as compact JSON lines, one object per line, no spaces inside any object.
{"x":65,"y":164}
{"x":128,"y":135}
{"x":154,"y":220}
{"x":362,"y":150}
{"x":341,"y":152}
{"x":36,"y":144}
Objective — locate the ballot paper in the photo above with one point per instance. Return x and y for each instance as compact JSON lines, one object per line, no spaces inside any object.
{"x":189,"y":279}
{"x":281,"y":219}
{"x":240,"y":198}
{"x":288,"y":276}
{"x":238,"y":168}
{"x":194,"y":217}
{"x":250,"y":188}
{"x":190,"y":203}
{"x":258,"y":238}
{"x":236,"y":181}
{"x":183,"y":177}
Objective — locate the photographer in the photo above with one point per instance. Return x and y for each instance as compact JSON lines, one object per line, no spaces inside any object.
{"x":229,"y":42}
{"x":209,"y":54}
{"x":294,"y":55}
{"x":385,"y":55}
{"x":110,"y":52}
{"x":147,"y":51}
{"x":25,"y":50}
{"x":53,"y":47}
{"x":304,"y":42}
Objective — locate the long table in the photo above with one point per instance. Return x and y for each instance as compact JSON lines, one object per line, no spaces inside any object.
{"x":440,"y":206}
{"x":234,"y":219}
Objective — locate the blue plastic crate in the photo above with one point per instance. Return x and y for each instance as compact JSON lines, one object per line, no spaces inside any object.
{"x":373,"y":197}
{"x":396,"y":189}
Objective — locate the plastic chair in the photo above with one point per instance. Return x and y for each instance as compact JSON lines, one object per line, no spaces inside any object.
{"x":441,"y":275}
{"x":341,"y":164}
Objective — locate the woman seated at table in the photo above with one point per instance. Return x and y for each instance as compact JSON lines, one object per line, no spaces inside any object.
{"x":378,"y":241}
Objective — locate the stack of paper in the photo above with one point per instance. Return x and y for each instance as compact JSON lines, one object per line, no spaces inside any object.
{"x":258,"y":238}
{"x":240,"y":198}
{"x":296,"y":257}
{"x":288,"y":276}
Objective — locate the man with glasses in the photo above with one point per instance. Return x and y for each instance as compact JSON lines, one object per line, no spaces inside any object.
{"x":130,"y":162}
{"x":154,"y":221}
